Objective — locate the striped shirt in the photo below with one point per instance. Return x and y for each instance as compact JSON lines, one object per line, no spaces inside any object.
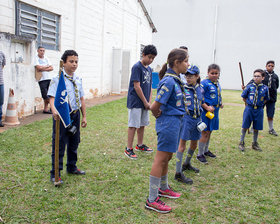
{"x":2,"y":63}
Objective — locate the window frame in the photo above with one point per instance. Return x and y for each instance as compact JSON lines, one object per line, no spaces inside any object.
{"x":38,"y":24}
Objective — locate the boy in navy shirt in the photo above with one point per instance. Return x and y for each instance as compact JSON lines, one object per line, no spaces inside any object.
{"x":255,"y":96}
{"x":138,"y":101}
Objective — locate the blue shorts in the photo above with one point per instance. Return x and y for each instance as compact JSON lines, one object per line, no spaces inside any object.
{"x":270,"y":109}
{"x":189,"y":128}
{"x":253,"y":115}
{"x":212,"y":124}
{"x":168,"y":130}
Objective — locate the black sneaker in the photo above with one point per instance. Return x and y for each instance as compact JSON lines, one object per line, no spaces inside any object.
{"x":181,"y":178}
{"x":56,"y":183}
{"x":202,"y":159}
{"x":77,"y":172}
{"x":241,"y":146}
{"x":143,"y":148}
{"x":1,"y":124}
{"x":129,"y":153}
{"x":255,"y":146}
{"x":189,"y":167}
{"x":210,"y":154}
{"x":272,"y":132}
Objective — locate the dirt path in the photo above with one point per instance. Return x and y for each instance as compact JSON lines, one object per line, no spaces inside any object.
{"x":89,"y":103}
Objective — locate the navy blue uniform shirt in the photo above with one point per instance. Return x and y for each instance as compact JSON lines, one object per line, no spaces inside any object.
{"x":170,"y":95}
{"x":191,"y":104}
{"x":139,"y":73}
{"x":212,"y":92}
{"x":249,"y":94}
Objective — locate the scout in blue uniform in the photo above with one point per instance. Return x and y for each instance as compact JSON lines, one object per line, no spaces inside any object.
{"x":213,"y":102}
{"x":76,"y":101}
{"x":191,"y":120}
{"x":255,"y":95}
{"x":169,"y":109}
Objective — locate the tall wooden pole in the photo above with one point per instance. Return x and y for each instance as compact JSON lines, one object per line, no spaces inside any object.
{"x":56,"y":150}
{"x":241,"y":73}
{"x":242,"y":81}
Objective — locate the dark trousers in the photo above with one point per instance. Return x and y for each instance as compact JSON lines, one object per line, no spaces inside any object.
{"x":72,"y":143}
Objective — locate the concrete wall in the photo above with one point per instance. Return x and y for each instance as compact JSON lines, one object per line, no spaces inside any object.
{"x":92,"y":28}
{"x":236,"y":30}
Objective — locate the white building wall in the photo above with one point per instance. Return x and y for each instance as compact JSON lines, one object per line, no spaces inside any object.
{"x":92,"y":28}
{"x":246,"y":31}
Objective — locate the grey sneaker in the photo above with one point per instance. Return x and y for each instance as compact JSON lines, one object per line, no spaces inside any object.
{"x":241,"y":146}
{"x":255,"y":146}
{"x":272,"y":132}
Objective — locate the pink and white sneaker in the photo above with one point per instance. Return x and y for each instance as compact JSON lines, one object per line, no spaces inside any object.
{"x":158,"y":206}
{"x":168,"y":193}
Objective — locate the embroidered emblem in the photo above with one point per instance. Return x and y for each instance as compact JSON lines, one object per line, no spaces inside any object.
{"x":178,"y":103}
{"x":213,"y":95}
{"x":165,"y":88}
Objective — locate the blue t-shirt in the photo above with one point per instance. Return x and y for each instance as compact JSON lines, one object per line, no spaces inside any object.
{"x":170,"y":95}
{"x":211,"y":92}
{"x":139,"y":73}
{"x":189,"y":92}
{"x":249,"y":94}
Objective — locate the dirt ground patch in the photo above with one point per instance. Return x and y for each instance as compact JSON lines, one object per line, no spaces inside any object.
{"x":89,"y":103}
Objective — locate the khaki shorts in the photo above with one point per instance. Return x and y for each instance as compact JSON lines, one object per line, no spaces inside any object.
{"x":138,"y":117}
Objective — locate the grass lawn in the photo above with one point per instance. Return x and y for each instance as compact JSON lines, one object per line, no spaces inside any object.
{"x":234,"y":188}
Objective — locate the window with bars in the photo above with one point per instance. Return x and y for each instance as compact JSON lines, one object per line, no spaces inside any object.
{"x":38,"y":24}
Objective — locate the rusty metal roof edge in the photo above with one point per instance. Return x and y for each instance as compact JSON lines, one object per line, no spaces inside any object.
{"x":154,"y":30}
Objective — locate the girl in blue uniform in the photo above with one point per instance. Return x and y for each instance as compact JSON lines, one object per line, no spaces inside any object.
{"x":169,"y":109}
{"x":255,"y":96}
{"x":213,"y":102}
{"x":191,"y":120}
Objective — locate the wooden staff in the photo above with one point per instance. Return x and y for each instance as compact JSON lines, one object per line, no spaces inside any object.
{"x":243,"y":85}
{"x":241,"y":73}
{"x":56,"y":150}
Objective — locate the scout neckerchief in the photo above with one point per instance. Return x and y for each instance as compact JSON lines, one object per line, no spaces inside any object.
{"x":182,"y":89}
{"x":269,"y":79}
{"x":76,"y":89}
{"x":196,"y":111}
{"x":219,"y":93}
{"x":256,"y":94}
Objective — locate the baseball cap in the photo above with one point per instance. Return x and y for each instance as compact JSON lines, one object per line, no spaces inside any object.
{"x":193,"y":69}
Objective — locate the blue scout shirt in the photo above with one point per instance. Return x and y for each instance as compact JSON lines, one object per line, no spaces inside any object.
{"x":70,"y":89}
{"x":139,"y":73}
{"x":249,"y":94}
{"x":170,"y":95}
{"x":212,"y":92}
{"x":194,"y":106}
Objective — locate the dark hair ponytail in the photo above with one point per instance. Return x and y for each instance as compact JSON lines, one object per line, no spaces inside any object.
{"x":176,"y":54}
{"x":162,"y":71}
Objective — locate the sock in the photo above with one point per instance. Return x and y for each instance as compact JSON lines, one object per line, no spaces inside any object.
{"x":243,"y":133}
{"x":201,"y":146}
{"x":189,"y":156}
{"x":270,"y":124}
{"x":206,"y":146}
{"x":154,"y":186}
{"x":179,"y":157}
{"x":164,"y":182}
{"x":255,"y":136}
